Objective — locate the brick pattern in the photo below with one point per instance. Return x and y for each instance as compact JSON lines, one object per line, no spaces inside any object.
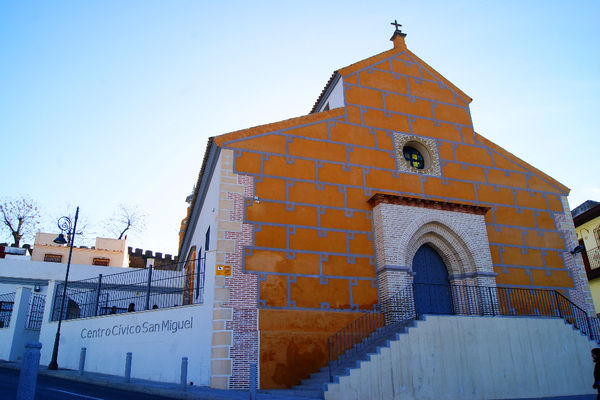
{"x":459,"y":237}
{"x":235,"y":323}
{"x":581,"y":294}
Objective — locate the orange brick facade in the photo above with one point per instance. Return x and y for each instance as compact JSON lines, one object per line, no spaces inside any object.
{"x":306,"y":262}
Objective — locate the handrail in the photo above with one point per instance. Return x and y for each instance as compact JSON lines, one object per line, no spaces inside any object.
{"x":382,"y":319}
{"x":351,"y":340}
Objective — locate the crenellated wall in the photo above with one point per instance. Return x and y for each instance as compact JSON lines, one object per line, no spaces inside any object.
{"x":138,"y":259}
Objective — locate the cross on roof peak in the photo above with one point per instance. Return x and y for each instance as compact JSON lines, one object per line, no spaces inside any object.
{"x":397,"y":32}
{"x":396,"y":24}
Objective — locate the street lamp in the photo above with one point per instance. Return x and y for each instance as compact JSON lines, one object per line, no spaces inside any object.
{"x":64,"y":224}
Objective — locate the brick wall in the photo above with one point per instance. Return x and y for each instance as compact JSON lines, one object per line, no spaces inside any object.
{"x":581,"y":295}
{"x":460,"y":237}
{"x":235,"y":323}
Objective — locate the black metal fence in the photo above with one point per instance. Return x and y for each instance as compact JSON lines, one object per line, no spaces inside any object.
{"x":454,"y":300}
{"x":35,"y":314}
{"x":137,"y":290}
{"x":7,"y":302}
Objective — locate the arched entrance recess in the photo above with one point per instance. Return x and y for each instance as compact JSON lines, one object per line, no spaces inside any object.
{"x":457,"y":233}
{"x":431,"y":285}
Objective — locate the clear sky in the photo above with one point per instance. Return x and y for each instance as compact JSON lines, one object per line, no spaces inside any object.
{"x":106,"y":102}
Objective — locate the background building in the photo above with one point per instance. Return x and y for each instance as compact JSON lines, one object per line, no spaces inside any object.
{"x":586,"y":218}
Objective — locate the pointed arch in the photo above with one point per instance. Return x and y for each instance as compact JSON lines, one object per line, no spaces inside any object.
{"x":457,"y":232}
{"x":449,"y":239}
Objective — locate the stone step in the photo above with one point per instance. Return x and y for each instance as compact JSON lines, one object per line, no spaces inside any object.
{"x":321,"y":375}
{"x":356,"y":356}
{"x":313,"y":381}
{"x":307,"y":394}
{"x":311,"y":386}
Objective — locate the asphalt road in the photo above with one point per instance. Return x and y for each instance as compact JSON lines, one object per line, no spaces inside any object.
{"x":49,"y":388}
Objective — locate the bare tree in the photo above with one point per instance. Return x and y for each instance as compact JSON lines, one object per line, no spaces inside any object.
{"x":84,"y":224}
{"x":126,"y":218}
{"x":20,"y":216}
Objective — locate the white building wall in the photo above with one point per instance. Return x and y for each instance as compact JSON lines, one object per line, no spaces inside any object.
{"x":336,"y":97}
{"x":208,"y":215}
{"x":158,"y":340}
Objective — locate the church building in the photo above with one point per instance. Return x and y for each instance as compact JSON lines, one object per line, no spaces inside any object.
{"x":315,"y":220}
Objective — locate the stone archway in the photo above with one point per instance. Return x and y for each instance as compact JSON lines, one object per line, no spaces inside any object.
{"x":457,"y":232}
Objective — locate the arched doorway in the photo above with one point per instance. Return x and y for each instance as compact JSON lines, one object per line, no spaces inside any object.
{"x":431,"y":286}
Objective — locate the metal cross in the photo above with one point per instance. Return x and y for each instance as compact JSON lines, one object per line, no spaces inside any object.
{"x":396,"y":24}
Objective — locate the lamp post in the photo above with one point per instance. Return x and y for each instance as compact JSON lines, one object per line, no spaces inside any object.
{"x":64,"y":224}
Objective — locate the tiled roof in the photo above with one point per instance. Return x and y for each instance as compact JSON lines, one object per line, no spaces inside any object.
{"x":325,"y":89}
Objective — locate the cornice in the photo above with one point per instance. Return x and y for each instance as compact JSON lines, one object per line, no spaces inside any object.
{"x":381,"y":198}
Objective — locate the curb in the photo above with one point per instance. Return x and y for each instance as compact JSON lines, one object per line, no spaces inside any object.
{"x":131,"y":387}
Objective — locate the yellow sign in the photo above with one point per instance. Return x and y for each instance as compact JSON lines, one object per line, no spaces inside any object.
{"x":224,"y":270}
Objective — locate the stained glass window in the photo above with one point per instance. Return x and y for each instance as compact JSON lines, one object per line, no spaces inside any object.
{"x":414,"y":157}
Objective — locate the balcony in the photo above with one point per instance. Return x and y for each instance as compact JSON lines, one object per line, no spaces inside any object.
{"x":591,"y":260}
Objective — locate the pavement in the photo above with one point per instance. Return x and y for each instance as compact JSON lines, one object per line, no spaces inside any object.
{"x":171,"y":390}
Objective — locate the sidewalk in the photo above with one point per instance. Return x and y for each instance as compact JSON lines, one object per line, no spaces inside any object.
{"x":192,"y":392}
{"x":150,"y":387}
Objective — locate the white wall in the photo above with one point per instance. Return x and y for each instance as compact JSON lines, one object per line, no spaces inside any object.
{"x":336,"y":97}
{"x":14,"y":337}
{"x":158,"y":340}
{"x":207,"y":217}
{"x":6,"y":336}
{"x":449,"y":357}
{"x":157,"y":351}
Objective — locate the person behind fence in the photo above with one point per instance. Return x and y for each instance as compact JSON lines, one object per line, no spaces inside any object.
{"x":131,"y":307}
{"x":113,"y":310}
{"x":596,"y":358}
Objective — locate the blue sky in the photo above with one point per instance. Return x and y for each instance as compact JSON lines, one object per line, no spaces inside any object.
{"x":106,"y":102}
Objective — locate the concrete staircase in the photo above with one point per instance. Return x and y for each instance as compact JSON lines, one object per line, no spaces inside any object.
{"x":316,"y":385}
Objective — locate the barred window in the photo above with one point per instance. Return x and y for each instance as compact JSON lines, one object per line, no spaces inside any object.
{"x":101,"y":261}
{"x":52,"y":258}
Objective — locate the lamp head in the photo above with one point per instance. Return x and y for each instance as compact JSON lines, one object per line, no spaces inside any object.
{"x":578,"y":249}
{"x":60,"y":239}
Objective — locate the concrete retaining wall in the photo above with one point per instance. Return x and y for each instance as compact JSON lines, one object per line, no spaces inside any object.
{"x":451,"y":357}
{"x":158,"y":340}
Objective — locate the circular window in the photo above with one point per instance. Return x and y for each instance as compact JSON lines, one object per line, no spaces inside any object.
{"x":414,"y":157}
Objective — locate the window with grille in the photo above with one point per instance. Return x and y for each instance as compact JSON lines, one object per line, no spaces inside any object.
{"x":52,"y":258}
{"x":101,"y":261}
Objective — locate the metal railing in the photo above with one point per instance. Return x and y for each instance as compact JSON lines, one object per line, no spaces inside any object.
{"x":35,"y":314}
{"x":7,"y":302}
{"x":137,"y":290}
{"x":453,"y":300}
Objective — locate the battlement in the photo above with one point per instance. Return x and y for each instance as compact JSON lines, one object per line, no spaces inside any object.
{"x":138,"y":257}
{"x":148,"y":254}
